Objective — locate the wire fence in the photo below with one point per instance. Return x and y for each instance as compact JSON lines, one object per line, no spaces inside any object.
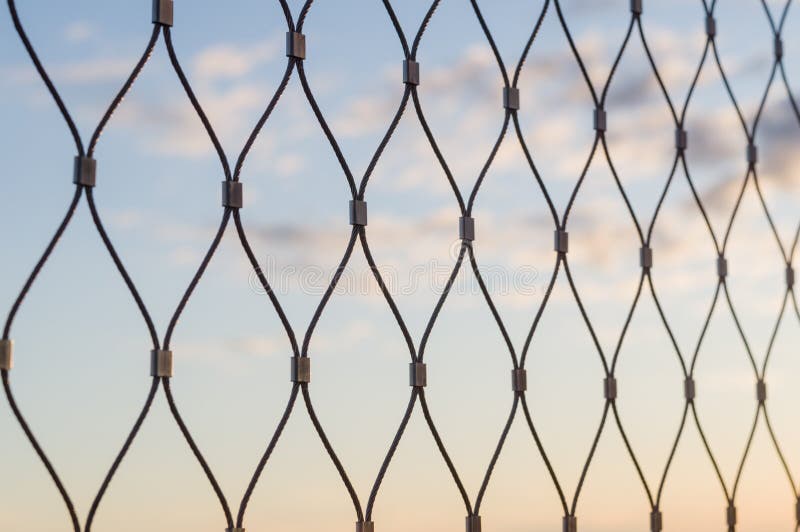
{"x":232,"y":202}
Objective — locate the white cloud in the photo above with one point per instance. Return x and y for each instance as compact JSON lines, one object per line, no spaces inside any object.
{"x":362,"y":116}
{"x":178,"y":132}
{"x":229,"y":61}
{"x":98,"y":70}
{"x":260,"y":345}
{"x":223,"y":79}
{"x":184,"y":256}
{"x":78,"y":32}
{"x":351,"y":334}
{"x":290,"y":164}
{"x":127,"y":219}
{"x":87,"y":71}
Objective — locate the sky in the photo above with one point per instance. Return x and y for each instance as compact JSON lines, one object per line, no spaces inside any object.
{"x":82,"y":351}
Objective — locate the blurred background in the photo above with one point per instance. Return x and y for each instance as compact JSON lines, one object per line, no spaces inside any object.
{"x":82,"y":351}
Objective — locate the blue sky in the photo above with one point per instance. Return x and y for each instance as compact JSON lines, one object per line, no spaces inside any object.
{"x":82,"y":350}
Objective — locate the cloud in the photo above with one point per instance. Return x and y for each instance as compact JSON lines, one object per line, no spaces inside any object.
{"x":461,"y":89}
{"x":224,"y":78}
{"x":259,"y":345}
{"x":175,"y":130}
{"x":162,"y":228}
{"x":362,"y":116}
{"x":717,"y":138}
{"x":466,"y":80}
{"x":184,"y":256}
{"x":229,"y":61}
{"x":84,"y":72}
{"x":232,"y":111}
{"x":290,"y":164}
{"x":344,"y":339}
{"x":99,"y":70}
{"x":552,"y":90}
{"x":167,"y":128}
{"x":78,"y":32}
{"x":127,"y":219}
{"x":779,"y":133}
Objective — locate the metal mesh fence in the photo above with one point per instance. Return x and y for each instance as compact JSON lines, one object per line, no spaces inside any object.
{"x":509,"y":101}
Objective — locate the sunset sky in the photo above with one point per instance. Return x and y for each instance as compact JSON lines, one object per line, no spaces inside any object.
{"x":82,"y":350}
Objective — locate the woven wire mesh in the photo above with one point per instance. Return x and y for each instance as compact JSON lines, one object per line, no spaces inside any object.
{"x":509,"y":101}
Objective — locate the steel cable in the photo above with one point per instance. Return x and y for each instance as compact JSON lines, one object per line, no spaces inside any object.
{"x":646,"y":287}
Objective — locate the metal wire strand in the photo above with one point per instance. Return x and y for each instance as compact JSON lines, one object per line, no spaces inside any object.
{"x":121,"y":455}
{"x":719,"y":238}
{"x":109,"y":246}
{"x":40,"y":452}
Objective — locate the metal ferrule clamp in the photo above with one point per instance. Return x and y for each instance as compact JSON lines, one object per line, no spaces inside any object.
{"x":6,"y":354}
{"x":232,"y":194}
{"x":689,"y":389}
{"x":511,"y":98}
{"x":519,"y":380}
{"x":466,"y":228}
{"x":681,"y":139}
{"x":711,"y":26}
{"x":295,"y":45}
{"x":646,"y":257}
{"x":358,"y":212}
{"x":761,"y":391}
{"x":722,"y":267}
{"x":752,"y":154}
{"x":561,"y":241}
{"x":410,"y":72}
{"x":600,"y":120}
{"x":731,"y":516}
{"x":656,"y":521}
{"x":84,"y":171}
{"x":161,"y":363}
{"x":365,"y":526}
{"x":417,"y":375}
{"x":163,"y":11}
{"x":610,"y":389}
{"x":301,"y":369}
